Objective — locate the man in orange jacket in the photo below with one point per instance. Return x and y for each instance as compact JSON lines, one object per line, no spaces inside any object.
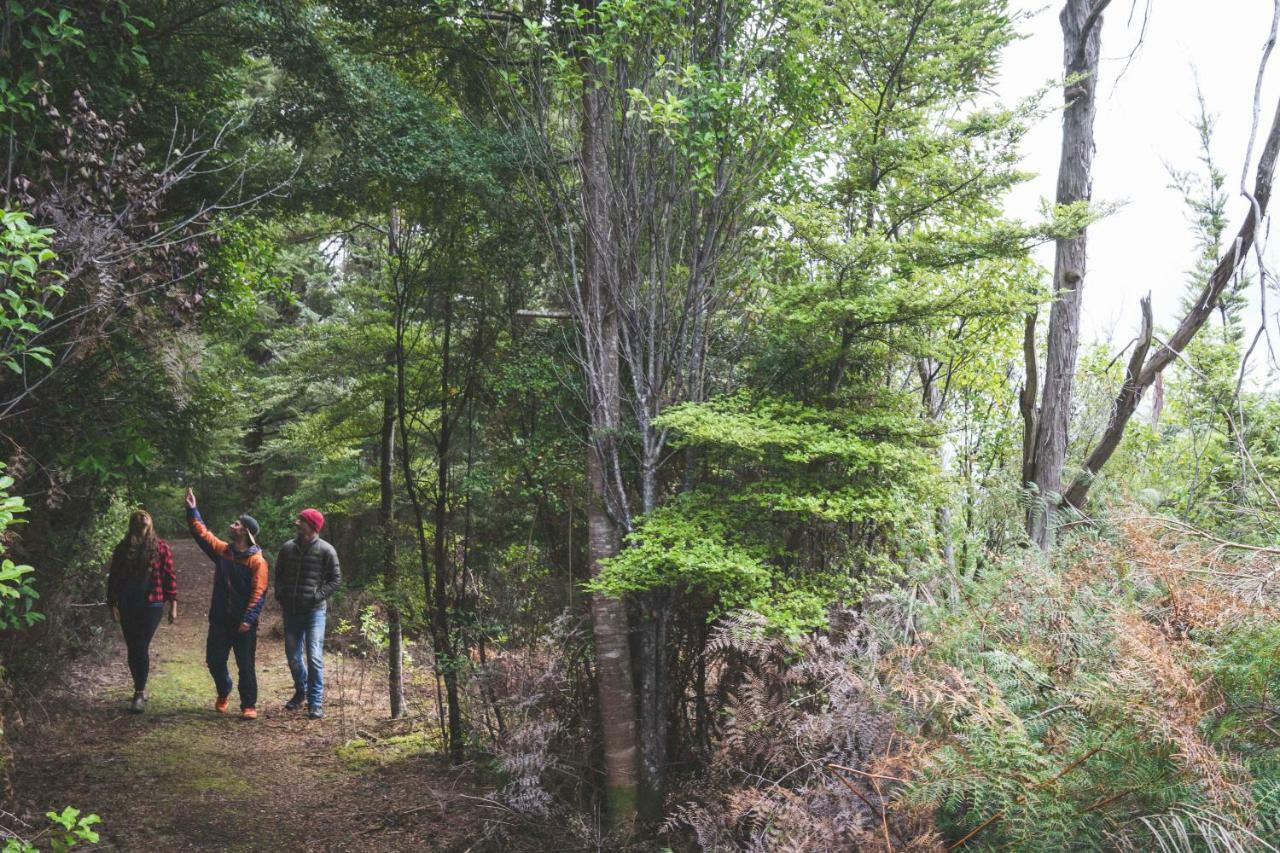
{"x":239,"y":591}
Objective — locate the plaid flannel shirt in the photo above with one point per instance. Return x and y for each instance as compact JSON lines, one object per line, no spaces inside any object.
{"x":163,"y":583}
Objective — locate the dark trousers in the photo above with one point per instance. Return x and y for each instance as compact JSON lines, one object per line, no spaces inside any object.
{"x":138,"y":624}
{"x":225,"y":638}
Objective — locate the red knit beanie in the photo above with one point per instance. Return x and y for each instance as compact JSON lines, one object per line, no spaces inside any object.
{"x":313,"y":517}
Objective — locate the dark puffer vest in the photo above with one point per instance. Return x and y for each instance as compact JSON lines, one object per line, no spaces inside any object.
{"x":307,"y":573}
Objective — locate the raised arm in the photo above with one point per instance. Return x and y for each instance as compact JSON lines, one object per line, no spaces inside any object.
{"x":212,"y":546}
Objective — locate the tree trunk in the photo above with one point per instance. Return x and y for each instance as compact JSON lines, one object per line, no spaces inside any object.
{"x":387,"y":521}
{"x":653,"y":637}
{"x":652,"y":609}
{"x":440,"y":644}
{"x":600,"y":335}
{"x":390,"y":569}
{"x":929,"y":368}
{"x":406,"y":466}
{"x":613,"y":657}
{"x":446,"y":656}
{"x":1027,"y":400}
{"x":1081,"y":30}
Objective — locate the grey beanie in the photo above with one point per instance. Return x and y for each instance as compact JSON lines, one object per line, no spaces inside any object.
{"x":251,"y":524}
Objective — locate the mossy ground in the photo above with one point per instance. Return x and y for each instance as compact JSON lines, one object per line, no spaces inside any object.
{"x":360,"y":753}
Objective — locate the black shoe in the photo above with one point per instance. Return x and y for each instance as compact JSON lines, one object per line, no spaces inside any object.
{"x":296,"y":702}
{"x":315,"y":714}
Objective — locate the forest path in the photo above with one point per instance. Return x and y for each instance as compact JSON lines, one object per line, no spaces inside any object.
{"x":184,"y":777}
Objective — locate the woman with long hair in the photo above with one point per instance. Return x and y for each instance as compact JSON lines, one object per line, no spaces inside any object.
{"x":139,"y":584}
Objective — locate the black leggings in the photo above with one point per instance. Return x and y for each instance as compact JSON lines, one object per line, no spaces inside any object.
{"x":139,"y":625}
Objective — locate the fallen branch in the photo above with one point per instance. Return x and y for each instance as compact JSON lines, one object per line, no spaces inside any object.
{"x":865,"y":773}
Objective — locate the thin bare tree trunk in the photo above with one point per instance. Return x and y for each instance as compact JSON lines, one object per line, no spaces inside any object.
{"x":600,"y":333}
{"x":406,"y":465}
{"x":929,"y":368}
{"x":444,"y":659}
{"x":446,"y":655}
{"x":1126,"y":402}
{"x":386,"y":519}
{"x":390,"y":569}
{"x":1027,"y":398}
{"x":1081,"y":30}
{"x":649,"y":645}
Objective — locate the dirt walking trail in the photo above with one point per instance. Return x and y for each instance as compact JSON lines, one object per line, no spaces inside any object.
{"x":183,"y":777}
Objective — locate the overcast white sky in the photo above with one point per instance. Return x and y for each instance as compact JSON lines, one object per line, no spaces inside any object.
{"x":1144,"y":122}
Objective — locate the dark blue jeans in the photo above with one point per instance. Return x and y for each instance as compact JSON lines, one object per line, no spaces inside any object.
{"x":138,"y":624}
{"x":304,"y":649}
{"x":223,"y":639}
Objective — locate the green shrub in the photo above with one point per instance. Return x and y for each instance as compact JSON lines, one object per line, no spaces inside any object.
{"x":70,"y":828}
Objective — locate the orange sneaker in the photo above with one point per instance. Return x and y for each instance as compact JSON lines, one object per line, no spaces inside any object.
{"x":249,"y":714}
{"x":221,"y":705}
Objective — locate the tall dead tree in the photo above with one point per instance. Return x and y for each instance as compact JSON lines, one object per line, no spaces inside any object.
{"x":1046,"y":427}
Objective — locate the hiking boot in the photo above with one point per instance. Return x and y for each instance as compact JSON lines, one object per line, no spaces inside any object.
{"x":139,"y":703}
{"x":296,"y":702}
{"x":221,"y":705}
{"x":315,"y":713}
{"x":248,"y":713}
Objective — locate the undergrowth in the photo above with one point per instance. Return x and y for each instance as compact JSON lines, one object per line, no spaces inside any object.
{"x":1117,"y":697}
{"x":1122,"y":695}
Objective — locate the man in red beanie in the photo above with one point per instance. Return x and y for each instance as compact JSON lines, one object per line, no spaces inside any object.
{"x":307,"y":573}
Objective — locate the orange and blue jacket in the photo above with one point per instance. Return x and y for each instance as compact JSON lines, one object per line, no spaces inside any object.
{"x":239,"y":577}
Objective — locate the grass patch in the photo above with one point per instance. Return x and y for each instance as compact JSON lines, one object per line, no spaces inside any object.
{"x":183,"y":682}
{"x":188,"y":759}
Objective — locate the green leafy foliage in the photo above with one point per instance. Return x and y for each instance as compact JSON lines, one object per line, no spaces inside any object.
{"x":17,"y":589}
{"x":70,"y":829}
{"x":26,"y":284}
{"x":691,"y":544}
{"x":44,"y":32}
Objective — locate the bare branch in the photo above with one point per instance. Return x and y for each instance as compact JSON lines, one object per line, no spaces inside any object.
{"x":1223,"y":274}
{"x":1089,"y":22}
